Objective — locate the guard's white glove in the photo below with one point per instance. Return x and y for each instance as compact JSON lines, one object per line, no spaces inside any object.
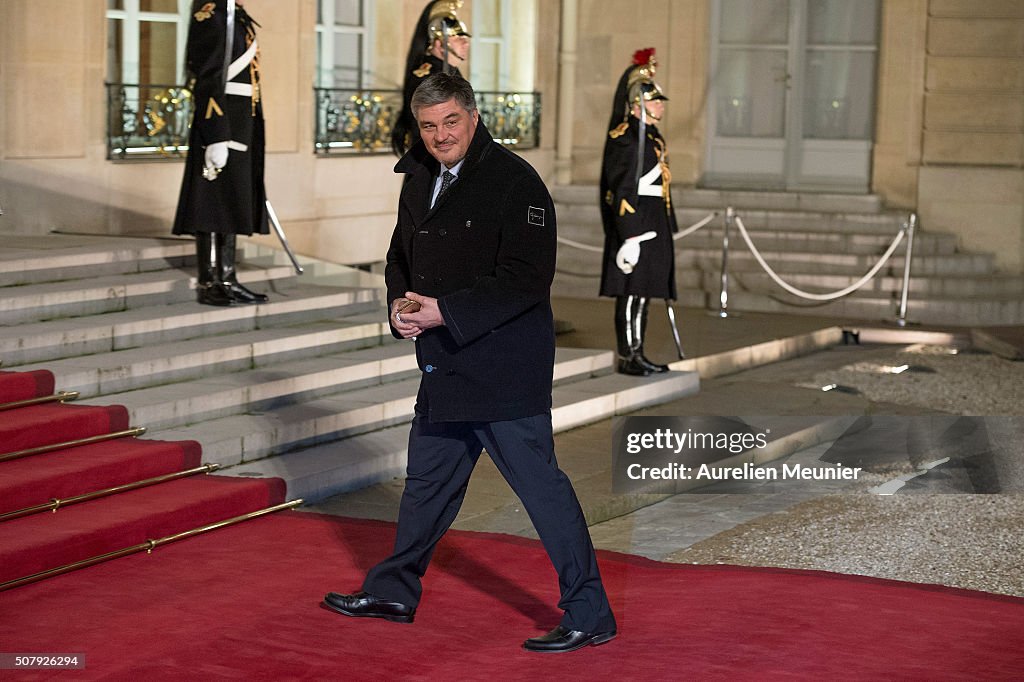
{"x":629,"y":252}
{"x":216,"y":158}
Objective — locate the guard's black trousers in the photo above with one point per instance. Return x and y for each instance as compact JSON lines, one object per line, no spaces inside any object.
{"x":441,"y":459}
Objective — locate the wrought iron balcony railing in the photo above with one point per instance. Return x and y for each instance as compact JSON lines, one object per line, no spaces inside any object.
{"x":147,"y":121}
{"x":360,"y":121}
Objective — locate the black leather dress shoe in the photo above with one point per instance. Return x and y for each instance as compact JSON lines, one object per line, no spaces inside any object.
{"x":363,"y":605}
{"x":562,"y":639}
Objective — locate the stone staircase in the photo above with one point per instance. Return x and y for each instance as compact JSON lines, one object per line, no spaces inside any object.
{"x":310,"y":387}
{"x":818,"y":243}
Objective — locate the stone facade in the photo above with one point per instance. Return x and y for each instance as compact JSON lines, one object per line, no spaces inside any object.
{"x":949,"y":117}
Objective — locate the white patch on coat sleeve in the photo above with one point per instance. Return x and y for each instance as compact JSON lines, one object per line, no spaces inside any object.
{"x":535,"y":216}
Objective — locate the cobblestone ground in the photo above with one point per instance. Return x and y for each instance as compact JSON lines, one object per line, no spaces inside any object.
{"x":961,"y":540}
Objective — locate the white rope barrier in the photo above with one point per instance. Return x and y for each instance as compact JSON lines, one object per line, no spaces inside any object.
{"x":584,"y":247}
{"x":696,"y":226}
{"x":819,"y":297}
{"x":600,"y":249}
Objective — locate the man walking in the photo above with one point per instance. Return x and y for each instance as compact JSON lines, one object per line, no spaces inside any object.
{"x":468,"y":277}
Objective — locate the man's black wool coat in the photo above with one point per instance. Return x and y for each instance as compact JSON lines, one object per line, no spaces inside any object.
{"x":486,"y":251}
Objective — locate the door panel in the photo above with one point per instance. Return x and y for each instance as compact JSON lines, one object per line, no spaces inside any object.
{"x":792,"y":94}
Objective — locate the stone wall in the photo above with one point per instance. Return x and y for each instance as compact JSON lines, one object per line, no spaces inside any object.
{"x":971,"y":182}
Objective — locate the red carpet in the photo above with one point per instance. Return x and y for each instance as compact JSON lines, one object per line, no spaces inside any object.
{"x":31,"y":427}
{"x":74,"y":471}
{"x":16,"y":386}
{"x":42,"y":541}
{"x":242,"y":603}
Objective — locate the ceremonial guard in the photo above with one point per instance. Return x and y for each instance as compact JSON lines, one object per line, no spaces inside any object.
{"x":222,"y":193}
{"x":636,"y":209}
{"x":439,"y":43}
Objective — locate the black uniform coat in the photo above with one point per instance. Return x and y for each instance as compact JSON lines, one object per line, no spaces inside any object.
{"x":654,"y":274}
{"x":234,"y":203}
{"x":486,"y":251}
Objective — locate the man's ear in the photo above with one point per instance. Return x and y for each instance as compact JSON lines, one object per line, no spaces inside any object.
{"x":476,"y":117}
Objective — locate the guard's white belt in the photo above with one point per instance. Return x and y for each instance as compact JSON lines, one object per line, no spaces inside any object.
{"x":647,"y":187}
{"x":238,"y":146}
{"x":243,"y":89}
{"x":236,"y":66}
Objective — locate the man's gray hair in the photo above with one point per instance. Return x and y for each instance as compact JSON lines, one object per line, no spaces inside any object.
{"x":441,"y":87}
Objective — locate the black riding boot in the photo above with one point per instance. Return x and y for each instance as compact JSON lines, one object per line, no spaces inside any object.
{"x":226,"y":267}
{"x":625,"y":337}
{"x":209,"y":288}
{"x":640,"y":331}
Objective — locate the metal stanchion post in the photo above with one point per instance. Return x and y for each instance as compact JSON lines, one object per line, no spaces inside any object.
{"x":901,"y":320}
{"x":723,"y":292}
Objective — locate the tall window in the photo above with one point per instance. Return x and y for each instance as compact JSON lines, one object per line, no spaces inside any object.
{"x":343,"y":49}
{"x":146,"y":40}
{"x":502,"y":53}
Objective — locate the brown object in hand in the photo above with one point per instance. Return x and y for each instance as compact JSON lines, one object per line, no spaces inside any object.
{"x":407,"y":306}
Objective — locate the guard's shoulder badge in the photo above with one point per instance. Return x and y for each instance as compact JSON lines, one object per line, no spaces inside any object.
{"x":619,"y":130}
{"x":423,"y":71}
{"x":205,"y":12}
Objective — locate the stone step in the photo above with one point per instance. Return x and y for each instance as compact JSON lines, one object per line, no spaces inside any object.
{"x":51,"y":258}
{"x":741,"y":199}
{"x":977,"y":287}
{"x":771,"y":239}
{"x":135,"y":368}
{"x":857,"y":265}
{"x":281,"y":428}
{"x":806,"y":262}
{"x":959,"y":312}
{"x":291,"y":303}
{"x":112,"y":293}
{"x":279,"y":385}
{"x":282,"y":384}
{"x":571,"y":216}
{"x":359,"y":461}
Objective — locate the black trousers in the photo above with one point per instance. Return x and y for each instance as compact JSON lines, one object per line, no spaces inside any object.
{"x":441,"y":459}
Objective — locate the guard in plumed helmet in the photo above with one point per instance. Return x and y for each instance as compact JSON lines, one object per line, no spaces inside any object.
{"x":222,"y":192}
{"x":636,"y":210}
{"x":439,"y":43}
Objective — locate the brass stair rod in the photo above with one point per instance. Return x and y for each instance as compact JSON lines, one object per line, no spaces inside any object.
{"x":133,"y":431}
{"x":62,"y":397}
{"x":148,"y":546}
{"x":56,"y":503}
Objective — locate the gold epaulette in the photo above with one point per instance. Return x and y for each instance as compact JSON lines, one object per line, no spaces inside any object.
{"x":423,"y":71}
{"x":619,"y":130}
{"x":205,"y":12}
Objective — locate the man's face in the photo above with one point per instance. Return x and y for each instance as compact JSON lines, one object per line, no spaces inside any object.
{"x":655,"y":109}
{"x":447,"y":129}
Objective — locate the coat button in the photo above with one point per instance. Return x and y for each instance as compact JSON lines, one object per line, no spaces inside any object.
{"x":429,"y":369}
{"x":420,"y":277}
{"x":442,"y":232}
{"x":438,"y":280}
